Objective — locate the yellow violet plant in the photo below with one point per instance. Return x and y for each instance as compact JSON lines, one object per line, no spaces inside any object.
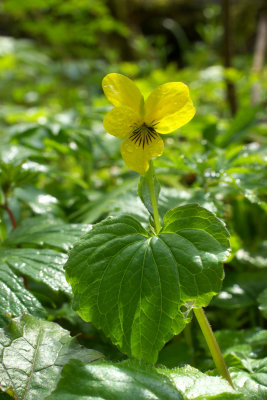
{"x":133,"y":282}
{"x":140,"y":122}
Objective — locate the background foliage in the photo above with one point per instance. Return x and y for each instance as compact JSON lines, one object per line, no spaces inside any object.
{"x":60,"y":172}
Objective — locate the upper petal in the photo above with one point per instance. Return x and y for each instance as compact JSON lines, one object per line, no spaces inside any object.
{"x":120,"y":121}
{"x":137,"y":157}
{"x":121,"y":91}
{"x":169,"y":107}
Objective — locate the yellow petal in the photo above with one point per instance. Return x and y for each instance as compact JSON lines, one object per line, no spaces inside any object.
{"x":121,"y":91}
{"x":169,"y":107}
{"x":137,"y":157}
{"x":120,"y":121}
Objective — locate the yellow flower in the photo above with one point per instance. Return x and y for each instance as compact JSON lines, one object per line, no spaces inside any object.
{"x":139,"y":123}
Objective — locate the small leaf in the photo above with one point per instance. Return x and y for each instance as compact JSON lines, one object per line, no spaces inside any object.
{"x":132,"y":285}
{"x":33,"y":353}
{"x":131,"y":380}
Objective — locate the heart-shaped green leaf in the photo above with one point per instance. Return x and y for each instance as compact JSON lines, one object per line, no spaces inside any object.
{"x":132,"y":285}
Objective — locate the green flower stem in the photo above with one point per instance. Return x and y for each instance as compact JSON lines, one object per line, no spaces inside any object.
{"x":153,"y":197}
{"x":212,"y":344}
{"x":199,"y":313}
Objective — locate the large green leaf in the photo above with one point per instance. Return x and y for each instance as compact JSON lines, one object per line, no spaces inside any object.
{"x":132,"y":285}
{"x":33,"y":353}
{"x":135,"y":381}
{"x":14,"y":298}
{"x":42,"y":265}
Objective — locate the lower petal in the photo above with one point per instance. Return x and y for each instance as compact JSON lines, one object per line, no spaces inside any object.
{"x":137,"y":156}
{"x":120,"y":121}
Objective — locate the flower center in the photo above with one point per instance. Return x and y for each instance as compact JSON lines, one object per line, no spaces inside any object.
{"x":143,"y":135}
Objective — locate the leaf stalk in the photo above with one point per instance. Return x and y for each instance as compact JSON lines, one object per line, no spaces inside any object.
{"x":151,"y":185}
{"x":212,"y":344}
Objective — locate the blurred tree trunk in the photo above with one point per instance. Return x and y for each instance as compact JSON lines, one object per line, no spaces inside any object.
{"x":259,"y":53}
{"x":228,"y":53}
{"x":124,"y":11}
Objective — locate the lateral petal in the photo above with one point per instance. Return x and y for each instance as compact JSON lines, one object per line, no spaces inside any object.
{"x":120,"y":121}
{"x":169,"y":107}
{"x":121,"y":91}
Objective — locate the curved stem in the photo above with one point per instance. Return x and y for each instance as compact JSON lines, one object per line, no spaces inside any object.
{"x":10,"y":214}
{"x":153,"y":197}
{"x":212,"y":344}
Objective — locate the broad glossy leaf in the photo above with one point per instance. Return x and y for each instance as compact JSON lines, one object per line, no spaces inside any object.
{"x":14,"y":298}
{"x":42,"y":265}
{"x":136,"y":381}
{"x":252,"y":381}
{"x":132,"y":285}
{"x":46,"y":231}
{"x":196,"y":385}
{"x":33,"y":353}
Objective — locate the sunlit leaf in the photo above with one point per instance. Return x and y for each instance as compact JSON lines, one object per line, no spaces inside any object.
{"x":33,"y":353}
{"x":14,"y":298}
{"x":136,"y":381}
{"x":41,"y":265}
{"x":132,"y":285}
